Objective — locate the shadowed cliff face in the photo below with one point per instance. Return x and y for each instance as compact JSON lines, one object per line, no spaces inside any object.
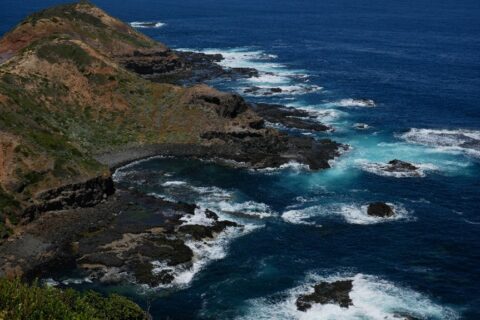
{"x":66,"y":95}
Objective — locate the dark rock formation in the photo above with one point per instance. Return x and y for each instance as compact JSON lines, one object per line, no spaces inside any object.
{"x":289,"y":117}
{"x":263,"y":91}
{"x":380,"y":209}
{"x":182,"y":66}
{"x":399,"y":166}
{"x":269,"y":149}
{"x":118,"y":239}
{"x":327,"y":292}
{"x":85,"y":194}
{"x":150,"y":62}
{"x":226,"y":106}
{"x":199,"y":232}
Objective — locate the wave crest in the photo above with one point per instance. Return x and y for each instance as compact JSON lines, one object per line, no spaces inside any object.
{"x":453,"y":141}
{"x":147,"y":24}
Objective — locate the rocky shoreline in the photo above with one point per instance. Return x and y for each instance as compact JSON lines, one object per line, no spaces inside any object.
{"x":120,"y":239}
{"x":119,"y":235}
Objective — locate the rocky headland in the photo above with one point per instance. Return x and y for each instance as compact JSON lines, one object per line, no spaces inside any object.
{"x":82,"y":93}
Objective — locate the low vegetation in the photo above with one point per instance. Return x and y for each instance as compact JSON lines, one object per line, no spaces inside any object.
{"x":19,"y":301}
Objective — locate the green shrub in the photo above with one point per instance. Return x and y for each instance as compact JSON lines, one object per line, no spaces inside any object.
{"x":19,"y":301}
{"x":53,"y":52}
{"x":6,"y":201}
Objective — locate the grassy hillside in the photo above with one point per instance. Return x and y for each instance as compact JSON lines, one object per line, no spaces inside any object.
{"x":64,"y":97}
{"x":81,"y":20}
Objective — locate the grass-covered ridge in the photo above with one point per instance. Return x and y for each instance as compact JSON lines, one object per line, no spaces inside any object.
{"x":65,"y":11}
{"x":80,"y":20}
{"x":66,"y":97}
{"x":19,"y":301}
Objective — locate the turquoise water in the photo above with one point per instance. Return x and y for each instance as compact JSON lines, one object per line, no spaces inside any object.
{"x":419,"y":62}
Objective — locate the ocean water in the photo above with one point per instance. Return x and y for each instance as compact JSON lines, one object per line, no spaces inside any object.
{"x":419,"y":62}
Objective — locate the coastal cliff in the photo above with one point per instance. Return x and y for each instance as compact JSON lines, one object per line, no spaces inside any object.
{"x":70,"y":94}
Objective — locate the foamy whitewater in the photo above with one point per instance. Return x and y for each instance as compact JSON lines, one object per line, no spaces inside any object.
{"x":383,"y":169}
{"x":147,"y":24}
{"x":205,"y":251}
{"x":466,"y":141}
{"x":372,"y":297}
{"x":272,"y":74}
{"x":350,"y":213}
{"x":363,"y":103}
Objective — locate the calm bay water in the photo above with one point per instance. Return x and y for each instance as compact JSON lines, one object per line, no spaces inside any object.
{"x":419,"y":62}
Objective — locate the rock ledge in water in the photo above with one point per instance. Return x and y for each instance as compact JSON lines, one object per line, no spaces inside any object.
{"x":399,"y":165}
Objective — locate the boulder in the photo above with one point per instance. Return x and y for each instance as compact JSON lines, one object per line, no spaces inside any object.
{"x":380,"y":209}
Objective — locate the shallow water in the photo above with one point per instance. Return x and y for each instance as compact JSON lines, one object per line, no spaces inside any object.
{"x":419,"y":63}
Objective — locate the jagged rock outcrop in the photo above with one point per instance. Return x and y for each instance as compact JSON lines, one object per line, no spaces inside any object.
{"x":85,"y":194}
{"x":289,"y":117}
{"x":337,"y":292}
{"x":128,"y":237}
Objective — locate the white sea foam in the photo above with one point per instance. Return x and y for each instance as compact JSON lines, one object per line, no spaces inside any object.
{"x":173,"y":183}
{"x":126,"y":171}
{"x":356,"y":214}
{"x":211,"y":193}
{"x":199,"y":218}
{"x":205,"y":251}
{"x":247,"y":208}
{"x":291,"y":165}
{"x":50,"y":282}
{"x":147,"y":24}
{"x":361,"y":126}
{"x":269,"y":78}
{"x":220,"y":200}
{"x":280,"y":90}
{"x":373,"y":298}
{"x":352,"y":213}
{"x":363,"y":103}
{"x":271,"y":74}
{"x":450,"y":141}
{"x":322,"y":114}
{"x":297,"y":217}
{"x":383,"y":169}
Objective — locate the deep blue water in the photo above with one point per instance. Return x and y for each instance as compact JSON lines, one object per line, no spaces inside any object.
{"x":419,"y":61}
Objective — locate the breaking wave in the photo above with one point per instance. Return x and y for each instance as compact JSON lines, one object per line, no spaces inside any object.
{"x":362,"y":103}
{"x":382,"y":169}
{"x":147,"y":24}
{"x":291,"y":165}
{"x":351,"y":213}
{"x":452,"y":141}
{"x":204,"y":251}
{"x":372,"y":297}
{"x":273,"y":78}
